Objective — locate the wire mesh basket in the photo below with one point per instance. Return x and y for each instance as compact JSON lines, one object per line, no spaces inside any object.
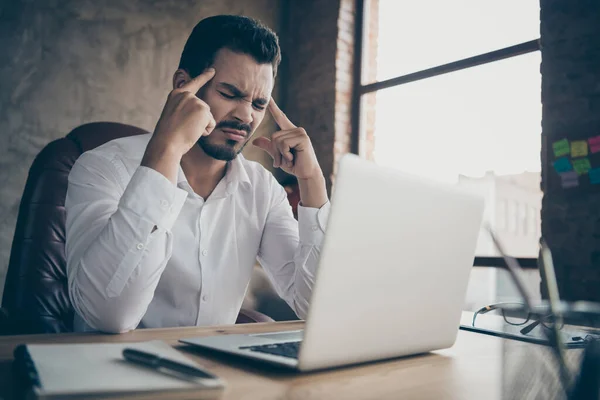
{"x":532,"y":371}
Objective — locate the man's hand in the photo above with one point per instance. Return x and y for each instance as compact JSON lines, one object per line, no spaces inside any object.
{"x":290,"y":147}
{"x":292,"y":151}
{"x":184,"y":119}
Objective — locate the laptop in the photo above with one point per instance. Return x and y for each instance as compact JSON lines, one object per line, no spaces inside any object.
{"x":392,"y":276}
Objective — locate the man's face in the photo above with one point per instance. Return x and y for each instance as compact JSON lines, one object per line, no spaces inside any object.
{"x":238,"y":96}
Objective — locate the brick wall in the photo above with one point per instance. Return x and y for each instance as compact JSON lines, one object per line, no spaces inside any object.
{"x":570,"y":35}
{"x":90,"y":61}
{"x":318,"y":55}
{"x":344,"y":65}
{"x":369,"y":76}
{"x":345,"y":74}
{"x":309,"y":54}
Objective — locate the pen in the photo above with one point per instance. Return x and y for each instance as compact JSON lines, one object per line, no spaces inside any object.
{"x":156,"y":362}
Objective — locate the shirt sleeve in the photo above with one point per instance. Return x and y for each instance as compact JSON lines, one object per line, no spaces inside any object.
{"x":290,"y":249}
{"x":118,"y":239}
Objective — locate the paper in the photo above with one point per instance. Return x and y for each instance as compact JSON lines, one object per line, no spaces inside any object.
{"x":594,"y":174}
{"x":579,"y":148}
{"x":582,"y":165}
{"x":561,"y":148}
{"x":569,"y":179}
{"x":67,"y":369}
{"x":569,"y":184}
{"x":594,"y":144}
{"x":562,"y":165}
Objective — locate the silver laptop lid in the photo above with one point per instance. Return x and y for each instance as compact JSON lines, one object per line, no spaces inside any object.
{"x":394,"y":268}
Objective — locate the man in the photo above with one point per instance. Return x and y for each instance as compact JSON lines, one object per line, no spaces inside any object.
{"x":164,"y":229}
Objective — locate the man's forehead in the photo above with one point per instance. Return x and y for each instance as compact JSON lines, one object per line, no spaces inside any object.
{"x":243,"y":72}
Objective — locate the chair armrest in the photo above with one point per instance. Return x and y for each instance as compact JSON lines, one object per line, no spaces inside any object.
{"x":247,"y":316}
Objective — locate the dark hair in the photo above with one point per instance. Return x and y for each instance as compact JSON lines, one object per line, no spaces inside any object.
{"x":237,"y":33}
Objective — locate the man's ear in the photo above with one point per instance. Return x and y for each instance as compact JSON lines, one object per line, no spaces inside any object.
{"x":180,"y":78}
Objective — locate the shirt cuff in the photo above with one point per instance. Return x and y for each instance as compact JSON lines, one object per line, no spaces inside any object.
{"x":153,"y":197}
{"x":312,"y":223}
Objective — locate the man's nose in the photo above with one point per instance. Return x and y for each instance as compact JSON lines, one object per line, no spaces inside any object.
{"x":243,"y":112}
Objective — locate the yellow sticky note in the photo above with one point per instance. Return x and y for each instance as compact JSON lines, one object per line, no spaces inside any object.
{"x":579,"y":148}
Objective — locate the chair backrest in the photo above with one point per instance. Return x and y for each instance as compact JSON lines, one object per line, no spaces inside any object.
{"x":35,"y":292}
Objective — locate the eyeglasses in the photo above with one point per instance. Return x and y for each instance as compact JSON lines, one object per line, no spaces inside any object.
{"x":513,"y":315}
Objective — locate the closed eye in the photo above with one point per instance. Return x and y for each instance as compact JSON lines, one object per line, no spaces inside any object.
{"x":227,"y":96}
{"x":257,"y":106}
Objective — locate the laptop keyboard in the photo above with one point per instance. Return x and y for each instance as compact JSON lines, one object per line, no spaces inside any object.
{"x":286,"y":349}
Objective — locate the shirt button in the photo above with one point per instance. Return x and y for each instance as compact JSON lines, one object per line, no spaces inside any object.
{"x":164,"y":204}
{"x":140,"y":246}
{"x":204,"y":252}
{"x":315,"y":228}
{"x":204,"y":298}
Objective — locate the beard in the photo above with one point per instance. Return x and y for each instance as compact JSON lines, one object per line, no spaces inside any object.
{"x":224,"y":152}
{"x":227,"y":151}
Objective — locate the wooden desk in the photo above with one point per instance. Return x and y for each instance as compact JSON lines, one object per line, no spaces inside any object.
{"x":471,"y":369}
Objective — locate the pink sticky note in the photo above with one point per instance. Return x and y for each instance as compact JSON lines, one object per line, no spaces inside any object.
{"x":594,"y":144}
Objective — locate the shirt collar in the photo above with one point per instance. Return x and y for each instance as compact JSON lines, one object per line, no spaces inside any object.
{"x":235,"y":175}
{"x":236,"y":172}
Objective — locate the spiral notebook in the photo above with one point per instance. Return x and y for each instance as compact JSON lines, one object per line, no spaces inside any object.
{"x":98,"y":370}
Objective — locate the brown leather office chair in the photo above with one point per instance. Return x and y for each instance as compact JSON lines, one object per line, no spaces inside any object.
{"x":36,"y":298}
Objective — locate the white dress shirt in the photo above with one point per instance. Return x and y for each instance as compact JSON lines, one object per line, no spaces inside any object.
{"x":194,"y":269}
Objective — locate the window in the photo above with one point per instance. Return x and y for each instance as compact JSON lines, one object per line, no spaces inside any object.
{"x":522,"y":225}
{"x":531,"y":220}
{"x":538,"y":223}
{"x":512,"y":216}
{"x":501,"y":215}
{"x":416,"y":35}
{"x":447,"y":91}
{"x":526,"y":227}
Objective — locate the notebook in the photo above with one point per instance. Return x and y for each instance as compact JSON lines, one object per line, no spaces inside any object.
{"x":99,"y":370}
